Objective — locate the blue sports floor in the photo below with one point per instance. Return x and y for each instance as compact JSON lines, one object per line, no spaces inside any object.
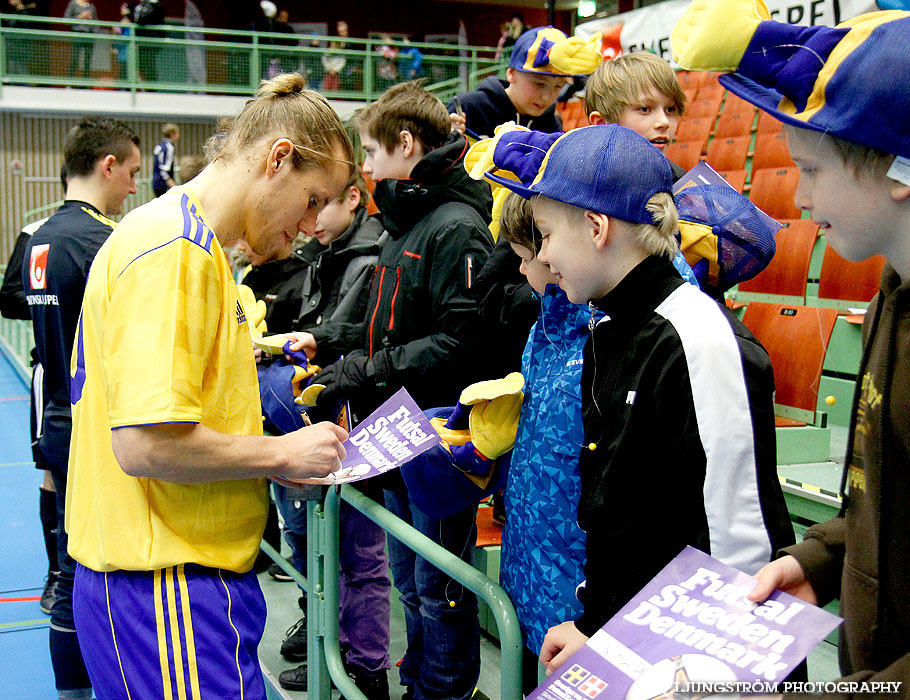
{"x":25,"y":666}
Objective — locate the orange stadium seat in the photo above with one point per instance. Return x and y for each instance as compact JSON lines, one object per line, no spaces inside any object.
{"x":788,"y":271}
{"x":733,"y":124}
{"x":772,"y":191}
{"x":771,"y":151}
{"x":712,"y":90}
{"x":768,"y":124}
{"x":729,"y":153}
{"x":849,"y":281}
{"x":737,"y":105}
{"x":685,"y":154}
{"x":736,"y":178}
{"x":489,"y":532}
{"x":708,"y":107}
{"x":796,"y":338}
{"x":689,"y":79}
{"x":695,"y":129}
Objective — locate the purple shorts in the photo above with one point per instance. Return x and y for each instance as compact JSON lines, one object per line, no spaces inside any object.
{"x":184,"y":632}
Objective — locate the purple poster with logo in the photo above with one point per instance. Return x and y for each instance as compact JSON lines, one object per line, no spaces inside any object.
{"x":393,"y":434}
{"x":691,"y":631}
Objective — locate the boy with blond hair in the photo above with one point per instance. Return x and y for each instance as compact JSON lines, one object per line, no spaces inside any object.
{"x":841,"y":93}
{"x":640,"y":92}
{"x":664,"y":357}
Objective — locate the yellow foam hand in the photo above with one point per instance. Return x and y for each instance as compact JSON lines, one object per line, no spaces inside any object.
{"x":576,"y":56}
{"x":496,"y":405}
{"x":714,"y":34}
{"x":450,"y":436}
{"x":479,"y":158}
{"x":253,"y":310}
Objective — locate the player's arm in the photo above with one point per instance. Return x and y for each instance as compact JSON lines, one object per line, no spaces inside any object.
{"x":193,"y":453}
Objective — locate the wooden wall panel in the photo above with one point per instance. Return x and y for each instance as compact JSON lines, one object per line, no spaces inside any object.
{"x":36,"y":143}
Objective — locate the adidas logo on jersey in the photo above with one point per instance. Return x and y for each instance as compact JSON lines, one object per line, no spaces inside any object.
{"x":241,"y":317}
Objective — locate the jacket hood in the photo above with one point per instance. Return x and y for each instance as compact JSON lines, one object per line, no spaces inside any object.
{"x":439,"y":177}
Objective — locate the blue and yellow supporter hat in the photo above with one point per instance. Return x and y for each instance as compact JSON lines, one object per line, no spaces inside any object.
{"x":613,"y":170}
{"x":548,"y":51}
{"x":605,"y":168}
{"x":725,"y":238}
{"x":849,"y":81}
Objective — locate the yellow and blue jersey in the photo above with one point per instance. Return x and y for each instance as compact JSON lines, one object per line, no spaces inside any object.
{"x":162,"y":338}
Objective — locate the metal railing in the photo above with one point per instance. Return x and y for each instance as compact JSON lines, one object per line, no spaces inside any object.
{"x":324,"y":664}
{"x":45,"y":51}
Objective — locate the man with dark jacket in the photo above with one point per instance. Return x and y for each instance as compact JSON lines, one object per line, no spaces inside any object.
{"x":413,"y":335}
{"x":101,"y":157}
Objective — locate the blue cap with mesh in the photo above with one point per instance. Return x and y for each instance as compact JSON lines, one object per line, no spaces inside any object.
{"x":745,"y":236}
{"x":605,"y":168}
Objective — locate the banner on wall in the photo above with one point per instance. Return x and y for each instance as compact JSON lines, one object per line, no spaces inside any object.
{"x":648,"y":28}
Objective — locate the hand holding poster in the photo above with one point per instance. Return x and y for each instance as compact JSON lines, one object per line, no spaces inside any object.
{"x":690,"y":627}
{"x":393,"y":434}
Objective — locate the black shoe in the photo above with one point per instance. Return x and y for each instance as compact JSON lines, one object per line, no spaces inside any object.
{"x":49,"y":595}
{"x":293,"y":648}
{"x":293,"y":678}
{"x":373,"y":684}
{"x":279,"y":574}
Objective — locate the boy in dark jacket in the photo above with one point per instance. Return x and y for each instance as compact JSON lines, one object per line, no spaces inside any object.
{"x":419,"y":312}
{"x":538,"y":70}
{"x":841,"y":93}
{"x":676,"y":394}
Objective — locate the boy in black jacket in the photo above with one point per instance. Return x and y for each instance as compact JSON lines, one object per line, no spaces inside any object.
{"x":419,"y":312}
{"x":679,"y":444}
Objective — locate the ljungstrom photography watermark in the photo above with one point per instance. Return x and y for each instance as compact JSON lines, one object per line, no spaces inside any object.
{"x":702,"y":689}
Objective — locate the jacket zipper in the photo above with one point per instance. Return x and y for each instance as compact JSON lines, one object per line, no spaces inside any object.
{"x":394,"y":296}
{"x":376,"y":310}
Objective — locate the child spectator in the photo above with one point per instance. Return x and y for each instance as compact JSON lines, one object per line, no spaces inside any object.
{"x":163,"y":171}
{"x":640,"y":92}
{"x":664,"y":357}
{"x":844,"y":108}
{"x":539,"y":68}
{"x":334,"y":283}
{"x":413,"y":335}
{"x":543,"y":550}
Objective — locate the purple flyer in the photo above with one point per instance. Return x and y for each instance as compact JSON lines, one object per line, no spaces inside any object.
{"x":691,"y":632}
{"x":393,"y":434}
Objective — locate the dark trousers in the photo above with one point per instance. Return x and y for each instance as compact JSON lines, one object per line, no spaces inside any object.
{"x":443,"y":655}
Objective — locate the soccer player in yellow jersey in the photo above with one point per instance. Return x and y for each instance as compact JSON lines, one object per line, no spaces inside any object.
{"x":168,"y":464}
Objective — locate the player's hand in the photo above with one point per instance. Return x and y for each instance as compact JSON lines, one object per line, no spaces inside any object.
{"x":302,"y":341}
{"x":313,"y":451}
{"x":459,"y":123}
{"x":783,"y":574}
{"x":559,"y":644}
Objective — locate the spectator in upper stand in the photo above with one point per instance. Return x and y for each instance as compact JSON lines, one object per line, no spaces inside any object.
{"x":517,"y":28}
{"x":81,"y":48}
{"x":539,"y":68}
{"x":163,"y":172}
{"x":640,"y":92}
{"x":148,"y":13}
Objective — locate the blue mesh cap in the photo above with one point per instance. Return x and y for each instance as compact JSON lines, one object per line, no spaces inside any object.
{"x":605,"y":168}
{"x":745,"y":237}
